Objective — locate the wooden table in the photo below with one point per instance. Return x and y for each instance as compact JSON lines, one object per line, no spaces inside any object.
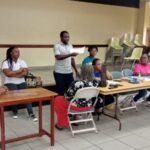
{"x":22,"y":97}
{"x":123,"y":88}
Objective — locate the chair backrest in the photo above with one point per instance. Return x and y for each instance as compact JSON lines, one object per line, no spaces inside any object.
{"x":87,"y":93}
{"x":127,"y":72}
{"x":137,"y":53}
{"x":138,"y":40}
{"x":128,"y":37}
{"x":115,"y":41}
{"x":117,"y":74}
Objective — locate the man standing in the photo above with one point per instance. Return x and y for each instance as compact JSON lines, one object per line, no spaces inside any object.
{"x":64,"y":61}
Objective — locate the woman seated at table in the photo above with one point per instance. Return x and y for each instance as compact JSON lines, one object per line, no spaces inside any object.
{"x":93,"y":50}
{"x":3,"y":90}
{"x":62,"y":103}
{"x":15,"y":70}
{"x":142,"y":69}
{"x":97,"y":76}
{"x":97,"y":65}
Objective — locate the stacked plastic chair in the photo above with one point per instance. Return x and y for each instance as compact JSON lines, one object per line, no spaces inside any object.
{"x":114,"y":50}
{"x":135,"y":56}
{"x":128,"y":40}
{"x":138,"y":40}
{"x":128,"y":44}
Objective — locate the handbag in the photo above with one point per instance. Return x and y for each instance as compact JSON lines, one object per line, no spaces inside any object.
{"x":33,"y":81}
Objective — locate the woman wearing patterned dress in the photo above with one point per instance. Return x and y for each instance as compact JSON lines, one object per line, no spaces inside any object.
{"x":62,"y":102}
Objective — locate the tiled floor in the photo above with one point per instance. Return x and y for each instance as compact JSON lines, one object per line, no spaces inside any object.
{"x":135,"y":134}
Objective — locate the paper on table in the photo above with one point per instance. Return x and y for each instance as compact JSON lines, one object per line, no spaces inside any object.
{"x":110,"y":82}
{"x":78,"y":50}
{"x":146,"y":78}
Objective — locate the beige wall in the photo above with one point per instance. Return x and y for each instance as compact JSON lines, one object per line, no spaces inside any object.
{"x":147,"y":16}
{"x":141,"y":17}
{"x":40,"y":21}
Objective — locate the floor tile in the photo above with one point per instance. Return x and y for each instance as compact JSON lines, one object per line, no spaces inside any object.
{"x":135,"y":133}
{"x":96,"y":138}
{"x":147,"y":148}
{"x":92,"y":148}
{"x":114,"y":145}
{"x":115,"y":133}
{"x":49,"y":147}
{"x":135,"y":141}
{"x":75,"y":143}
{"x":144,"y":132}
{"x":18,"y":146}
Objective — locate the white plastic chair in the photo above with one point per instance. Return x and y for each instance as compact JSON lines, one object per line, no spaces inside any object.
{"x":129,"y":96}
{"x":85,"y":93}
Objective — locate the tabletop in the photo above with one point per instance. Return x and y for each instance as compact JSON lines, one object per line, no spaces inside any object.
{"x":125,"y":86}
{"x":26,"y":95}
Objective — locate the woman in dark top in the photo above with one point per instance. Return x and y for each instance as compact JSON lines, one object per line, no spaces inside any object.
{"x":97,"y":70}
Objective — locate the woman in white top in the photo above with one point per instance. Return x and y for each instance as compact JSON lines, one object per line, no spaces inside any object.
{"x":15,"y":70}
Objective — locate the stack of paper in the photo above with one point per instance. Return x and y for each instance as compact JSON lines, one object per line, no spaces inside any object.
{"x":78,"y":50}
{"x":110,"y":82}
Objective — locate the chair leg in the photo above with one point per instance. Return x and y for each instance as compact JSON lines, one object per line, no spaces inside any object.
{"x":94,"y":125}
{"x":133,"y":64}
{"x":113,"y":59}
{"x":88,"y":116}
{"x":124,"y":62}
{"x":70,"y":126}
{"x":134,"y":104}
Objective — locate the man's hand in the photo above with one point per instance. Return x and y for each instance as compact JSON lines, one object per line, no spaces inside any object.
{"x":74,"y":54}
{"x":77,"y":74}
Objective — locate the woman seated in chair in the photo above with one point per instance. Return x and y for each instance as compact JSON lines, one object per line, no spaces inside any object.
{"x":62,"y":103}
{"x":15,"y":70}
{"x":97,"y":76}
{"x":93,"y":50}
{"x":3,"y":90}
{"x":142,"y":69}
{"x":97,"y":70}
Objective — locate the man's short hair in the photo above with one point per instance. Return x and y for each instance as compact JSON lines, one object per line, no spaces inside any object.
{"x":62,"y":33}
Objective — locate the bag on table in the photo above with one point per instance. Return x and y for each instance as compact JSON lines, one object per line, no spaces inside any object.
{"x":33,"y":81}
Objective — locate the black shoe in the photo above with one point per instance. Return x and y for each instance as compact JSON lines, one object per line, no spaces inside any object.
{"x":98,"y":115}
{"x":94,"y":113}
{"x":58,"y":128}
{"x":75,"y":124}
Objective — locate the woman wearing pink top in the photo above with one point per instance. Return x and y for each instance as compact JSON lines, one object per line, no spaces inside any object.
{"x":143,"y":69}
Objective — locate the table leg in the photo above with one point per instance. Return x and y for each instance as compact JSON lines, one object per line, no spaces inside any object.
{"x":2,"y":122}
{"x":52,"y":122}
{"x":115,"y":113}
{"x":40,"y":118}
